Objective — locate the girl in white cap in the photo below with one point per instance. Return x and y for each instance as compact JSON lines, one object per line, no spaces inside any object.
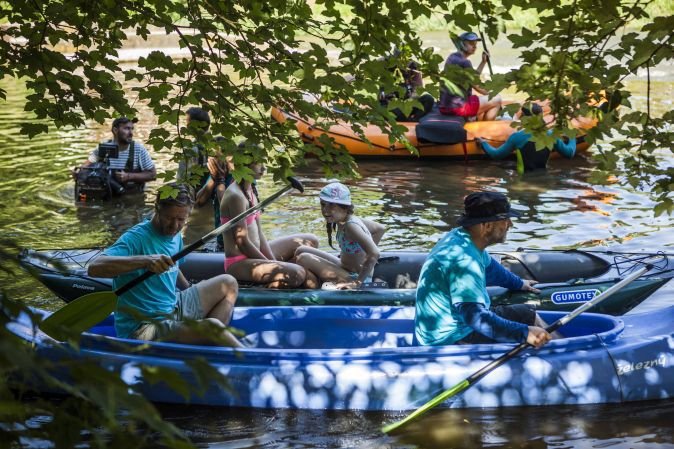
{"x":357,"y":239}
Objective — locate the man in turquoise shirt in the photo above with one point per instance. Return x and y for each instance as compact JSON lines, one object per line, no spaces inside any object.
{"x":153,"y":309}
{"x":452,"y":304}
{"x":528,"y":157}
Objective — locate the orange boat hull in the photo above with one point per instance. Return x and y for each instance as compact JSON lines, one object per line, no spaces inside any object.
{"x":496,"y":132}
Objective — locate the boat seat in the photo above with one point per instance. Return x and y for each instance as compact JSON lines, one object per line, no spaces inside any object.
{"x":435,"y":127}
{"x":549,"y":267}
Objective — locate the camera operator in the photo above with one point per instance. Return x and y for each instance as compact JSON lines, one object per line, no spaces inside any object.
{"x":131,"y":173}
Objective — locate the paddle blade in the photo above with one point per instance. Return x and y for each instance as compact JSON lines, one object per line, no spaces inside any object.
{"x":456,"y":389}
{"x":79,"y":315}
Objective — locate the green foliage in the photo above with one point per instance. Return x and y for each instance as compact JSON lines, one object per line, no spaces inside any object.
{"x":246,"y":57}
{"x":579,"y":52}
{"x":90,"y":410}
{"x":95,"y":408}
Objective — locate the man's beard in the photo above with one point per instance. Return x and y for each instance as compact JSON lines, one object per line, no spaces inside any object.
{"x":495,"y":238}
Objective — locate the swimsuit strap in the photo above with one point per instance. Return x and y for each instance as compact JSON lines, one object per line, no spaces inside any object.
{"x":350,"y":246}
{"x":359,"y":222}
{"x":249,"y":219}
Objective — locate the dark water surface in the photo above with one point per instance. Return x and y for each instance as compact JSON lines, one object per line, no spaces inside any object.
{"x":417,"y":201}
{"x":636,"y":425}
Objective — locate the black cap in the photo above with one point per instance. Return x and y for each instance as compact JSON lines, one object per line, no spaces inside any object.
{"x":484,"y":207}
{"x":123,"y":120}
{"x":469,"y":36}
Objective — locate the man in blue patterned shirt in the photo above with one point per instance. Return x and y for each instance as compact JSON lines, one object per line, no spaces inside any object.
{"x":453,"y":305}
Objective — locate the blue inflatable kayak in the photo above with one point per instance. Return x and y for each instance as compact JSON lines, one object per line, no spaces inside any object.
{"x":362,"y":358}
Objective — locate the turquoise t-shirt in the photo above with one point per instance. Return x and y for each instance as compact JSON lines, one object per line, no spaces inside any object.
{"x":454,"y":272}
{"x":156,"y":296}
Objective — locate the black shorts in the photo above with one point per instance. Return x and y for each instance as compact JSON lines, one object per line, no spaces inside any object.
{"x":521,"y":313}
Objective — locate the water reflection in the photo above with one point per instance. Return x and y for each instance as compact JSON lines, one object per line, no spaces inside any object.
{"x":538,"y":427}
{"x":629,"y":426}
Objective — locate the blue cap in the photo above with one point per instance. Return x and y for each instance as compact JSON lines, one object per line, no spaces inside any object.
{"x":469,"y":36}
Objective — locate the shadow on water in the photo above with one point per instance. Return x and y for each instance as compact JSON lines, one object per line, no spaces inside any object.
{"x":634,"y":425}
{"x":597,"y":426}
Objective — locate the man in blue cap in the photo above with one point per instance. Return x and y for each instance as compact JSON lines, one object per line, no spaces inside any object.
{"x":452,"y":304}
{"x":466,"y":104}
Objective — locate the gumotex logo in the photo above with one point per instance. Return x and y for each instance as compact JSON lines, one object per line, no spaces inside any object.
{"x":573,"y":296}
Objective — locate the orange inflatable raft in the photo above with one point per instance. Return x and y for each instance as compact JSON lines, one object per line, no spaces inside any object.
{"x":496,"y":132}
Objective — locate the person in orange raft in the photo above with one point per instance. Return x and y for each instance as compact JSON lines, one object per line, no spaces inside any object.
{"x":466,"y":104}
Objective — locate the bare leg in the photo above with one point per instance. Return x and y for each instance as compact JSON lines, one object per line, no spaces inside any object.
{"x":324,"y":269}
{"x":489,"y":107}
{"x":318,"y":253}
{"x":274,"y":274}
{"x":284,"y":247}
{"x":192,"y":336}
{"x":311,"y":280}
{"x":216,"y":298}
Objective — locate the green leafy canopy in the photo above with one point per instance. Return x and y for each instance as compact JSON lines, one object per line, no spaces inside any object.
{"x":245,"y":57}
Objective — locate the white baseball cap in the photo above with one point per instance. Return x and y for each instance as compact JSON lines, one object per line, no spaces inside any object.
{"x":337,"y":193}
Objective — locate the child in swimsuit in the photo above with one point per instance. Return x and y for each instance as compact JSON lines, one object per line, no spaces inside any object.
{"x":249,"y":256}
{"x":357,"y":239}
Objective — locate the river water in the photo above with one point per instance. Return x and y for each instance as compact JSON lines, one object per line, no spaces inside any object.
{"x":417,"y":201}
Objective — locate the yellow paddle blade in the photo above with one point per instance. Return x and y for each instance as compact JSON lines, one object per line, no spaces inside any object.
{"x":79,"y":315}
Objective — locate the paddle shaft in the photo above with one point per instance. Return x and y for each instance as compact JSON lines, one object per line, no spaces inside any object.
{"x":476,"y":376}
{"x":294,"y":184}
{"x":484,"y":45}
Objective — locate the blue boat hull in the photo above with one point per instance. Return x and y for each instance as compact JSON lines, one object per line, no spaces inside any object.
{"x":362,"y":358}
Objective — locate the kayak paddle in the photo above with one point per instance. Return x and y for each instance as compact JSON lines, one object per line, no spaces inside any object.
{"x":476,"y":376}
{"x":89,"y":310}
{"x":484,"y":45}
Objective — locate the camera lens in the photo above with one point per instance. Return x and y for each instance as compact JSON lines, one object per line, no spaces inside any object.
{"x":115,"y":186}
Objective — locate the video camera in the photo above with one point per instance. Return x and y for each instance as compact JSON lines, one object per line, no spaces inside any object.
{"x":97,"y":181}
